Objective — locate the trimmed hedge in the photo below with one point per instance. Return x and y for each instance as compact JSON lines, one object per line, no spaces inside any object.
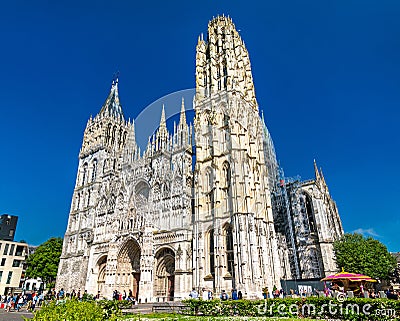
{"x":74,"y":310}
{"x":312,"y":307}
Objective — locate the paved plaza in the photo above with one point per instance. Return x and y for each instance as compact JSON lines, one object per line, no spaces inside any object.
{"x":14,"y":316}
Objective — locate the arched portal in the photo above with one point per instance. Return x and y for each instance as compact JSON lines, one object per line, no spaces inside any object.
{"x":128,"y":268}
{"x":101,"y":275}
{"x":165,"y":274}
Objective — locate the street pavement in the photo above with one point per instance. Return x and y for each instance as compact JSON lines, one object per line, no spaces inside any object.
{"x":14,"y":315}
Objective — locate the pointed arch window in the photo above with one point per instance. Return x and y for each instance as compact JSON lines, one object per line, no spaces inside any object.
{"x":94,"y":170}
{"x":113,"y":134}
{"x":210,"y":178}
{"x":84,"y":174}
{"x":224,"y":74}
{"x":230,"y":262}
{"x":78,"y":201}
{"x":211,"y":252}
{"x":226,"y":171}
{"x":205,"y":83}
{"x":226,"y":183}
{"x":88,"y":198}
{"x":315,"y":264}
{"x":310,"y":213}
{"x":108,"y":133}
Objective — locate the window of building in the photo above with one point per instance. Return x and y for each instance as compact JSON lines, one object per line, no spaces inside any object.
{"x":16,"y":263}
{"x":5,"y":249}
{"x":310,"y":213}
{"x":94,"y":170}
{"x":11,"y":233}
{"x":3,"y":262}
{"x":1,"y":275}
{"x":211,"y":250}
{"x":9,"y":277}
{"x":85,"y":168}
{"x":229,"y":250}
{"x":19,"y":251}
{"x":11,"y":249}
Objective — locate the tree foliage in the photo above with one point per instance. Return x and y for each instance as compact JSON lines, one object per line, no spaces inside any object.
{"x":358,"y":254}
{"x":43,"y":263}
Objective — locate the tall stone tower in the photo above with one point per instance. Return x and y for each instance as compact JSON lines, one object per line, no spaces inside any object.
{"x":100,"y":159}
{"x":234,"y":242}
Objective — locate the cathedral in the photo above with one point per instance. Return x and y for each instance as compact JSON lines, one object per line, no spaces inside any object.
{"x":204,"y":206}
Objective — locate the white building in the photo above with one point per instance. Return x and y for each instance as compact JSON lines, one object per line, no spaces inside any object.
{"x":12,"y":266}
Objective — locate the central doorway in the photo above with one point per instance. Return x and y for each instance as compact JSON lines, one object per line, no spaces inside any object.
{"x":128,"y":269}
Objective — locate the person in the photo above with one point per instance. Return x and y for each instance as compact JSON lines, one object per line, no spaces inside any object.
{"x":240,"y":295}
{"x":61,"y":293}
{"x":34,"y":301}
{"x":20,"y":302}
{"x":41,"y":299}
{"x":9,"y":302}
{"x":392,"y":295}
{"x":115,"y":295}
{"x":224,"y":296}
{"x":210,"y":295}
{"x":234,"y":294}
{"x":193,"y":294}
{"x":204,"y":294}
{"x":372,"y":294}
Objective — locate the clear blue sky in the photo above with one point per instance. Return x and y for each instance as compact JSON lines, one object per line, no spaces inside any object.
{"x":327,"y":75}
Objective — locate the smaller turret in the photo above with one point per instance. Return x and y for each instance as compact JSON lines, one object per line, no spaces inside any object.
{"x":162,"y":141}
{"x":181,"y":135}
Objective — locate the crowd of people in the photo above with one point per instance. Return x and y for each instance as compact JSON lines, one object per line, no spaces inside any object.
{"x":207,"y":294}
{"x":123,"y":296}
{"x":15,"y":302}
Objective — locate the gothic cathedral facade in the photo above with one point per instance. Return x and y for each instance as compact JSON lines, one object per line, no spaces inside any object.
{"x":203,"y":207}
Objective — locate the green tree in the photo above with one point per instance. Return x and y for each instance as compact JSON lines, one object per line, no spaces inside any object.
{"x":358,"y":254}
{"x":43,"y":263}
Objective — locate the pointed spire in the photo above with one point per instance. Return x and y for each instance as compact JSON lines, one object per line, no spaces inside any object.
{"x":322,"y":177}
{"x":317,"y":175}
{"x":162,"y":133}
{"x":162,"y":121}
{"x":112,"y":106}
{"x":182,"y":119}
